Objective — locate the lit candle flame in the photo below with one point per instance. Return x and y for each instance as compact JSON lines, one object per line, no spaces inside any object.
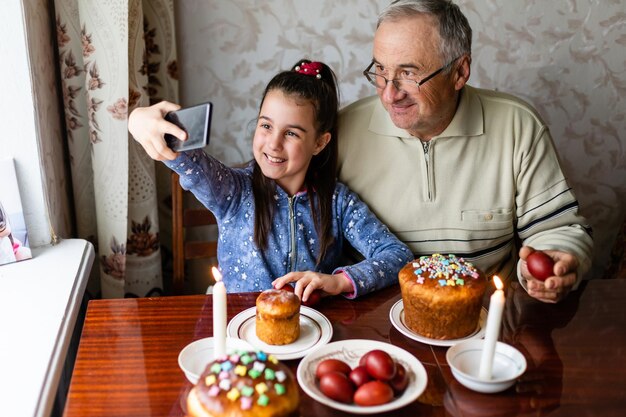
{"x":498,"y":282}
{"x":216,"y":274}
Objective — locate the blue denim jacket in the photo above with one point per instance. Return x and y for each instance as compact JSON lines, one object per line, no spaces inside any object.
{"x":292,"y":243}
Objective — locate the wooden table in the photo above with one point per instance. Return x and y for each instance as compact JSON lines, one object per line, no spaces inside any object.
{"x":576,"y":352}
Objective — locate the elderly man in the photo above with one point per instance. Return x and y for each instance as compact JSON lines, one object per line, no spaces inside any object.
{"x":455,"y":169}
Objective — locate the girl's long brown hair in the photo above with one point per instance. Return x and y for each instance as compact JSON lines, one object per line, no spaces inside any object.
{"x":320,"y":177}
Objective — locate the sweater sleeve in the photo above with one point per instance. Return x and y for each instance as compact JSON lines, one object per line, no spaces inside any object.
{"x":218,"y":187}
{"x":384,"y":255}
{"x":547,"y":210}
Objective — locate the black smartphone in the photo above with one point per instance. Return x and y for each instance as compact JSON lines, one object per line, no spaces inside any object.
{"x":196,"y":121}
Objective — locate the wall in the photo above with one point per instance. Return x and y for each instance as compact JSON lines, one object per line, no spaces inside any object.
{"x":566,"y":57}
{"x":30,"y":117}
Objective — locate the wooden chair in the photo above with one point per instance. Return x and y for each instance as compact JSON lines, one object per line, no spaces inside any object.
{"x":183,"y":249}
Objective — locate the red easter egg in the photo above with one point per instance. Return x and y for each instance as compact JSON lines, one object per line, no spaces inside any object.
{"x":373,"y":393}
{"x":380,"y":365}
{"x":364,"y":358}
{"x":540,"y":265}
{"x":400,"y":381}
{"x":337,"y":386}
{"x":313,"y":299}
{"x":332,"y":365}
{"x":287,"y":287}
{"x":359,"y":376}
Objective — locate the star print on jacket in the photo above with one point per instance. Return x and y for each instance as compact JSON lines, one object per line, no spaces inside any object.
{"x":293,"y":241}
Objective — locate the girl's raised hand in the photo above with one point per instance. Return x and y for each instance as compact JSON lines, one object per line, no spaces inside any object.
{"x":148,"y":127}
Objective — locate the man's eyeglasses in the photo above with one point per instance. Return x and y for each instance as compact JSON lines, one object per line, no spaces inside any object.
{"x":408,"y":85}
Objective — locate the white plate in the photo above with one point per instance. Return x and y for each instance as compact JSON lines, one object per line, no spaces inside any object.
{"x":350,"y":351}
{"x":315,"y":331}
{"x":194,"y":357}
{"x":396,"y":315}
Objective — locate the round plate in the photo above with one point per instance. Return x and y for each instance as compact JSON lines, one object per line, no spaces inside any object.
{"x":350,"y":351}
{"x":396,"y":315}
{"x":194,"y":357}
{"x":315,"y":331}
{"x":465,"y":360}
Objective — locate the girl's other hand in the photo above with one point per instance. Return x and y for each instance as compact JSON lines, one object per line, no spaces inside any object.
{"x":148,"y":126}
{"x":309,"y":281}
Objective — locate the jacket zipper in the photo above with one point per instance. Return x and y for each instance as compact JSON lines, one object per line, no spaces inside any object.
{"x":292,"y":237}
{"x":426,"y":147}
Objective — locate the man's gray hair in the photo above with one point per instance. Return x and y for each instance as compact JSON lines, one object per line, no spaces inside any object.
{"x":454,"y":29}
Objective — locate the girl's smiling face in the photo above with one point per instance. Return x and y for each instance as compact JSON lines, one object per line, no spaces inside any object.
{"x":286,"y":139}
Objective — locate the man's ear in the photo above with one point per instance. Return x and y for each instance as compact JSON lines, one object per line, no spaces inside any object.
{"x":462,"y":72}
{"x":322,"y":141}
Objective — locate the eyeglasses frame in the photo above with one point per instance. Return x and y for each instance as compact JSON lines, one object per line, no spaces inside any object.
{"x":396,"y":82}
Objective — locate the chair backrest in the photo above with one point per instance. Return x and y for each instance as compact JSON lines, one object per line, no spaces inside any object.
{"x":184,"y":249}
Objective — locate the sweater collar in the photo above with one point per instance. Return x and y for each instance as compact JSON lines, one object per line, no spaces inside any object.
{"x":467,"y":121}
{"x":282,"y":194}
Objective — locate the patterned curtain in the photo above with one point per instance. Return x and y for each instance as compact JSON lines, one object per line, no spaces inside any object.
{"x":114,"y":56}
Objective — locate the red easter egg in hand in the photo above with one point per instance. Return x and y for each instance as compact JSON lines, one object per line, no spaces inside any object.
{"x":540,"y":265}
{"x":287,"y":287}
{"x":313,"y":299}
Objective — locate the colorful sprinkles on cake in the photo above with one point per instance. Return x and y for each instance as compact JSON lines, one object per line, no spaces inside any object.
{"x":447,"y":270}
{"x":252,"y":364}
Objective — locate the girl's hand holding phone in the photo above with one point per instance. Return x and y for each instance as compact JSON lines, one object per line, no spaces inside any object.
{"x":148,"y":126}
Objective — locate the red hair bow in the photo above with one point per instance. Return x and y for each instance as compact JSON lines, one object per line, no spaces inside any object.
{"x":310,"y":68}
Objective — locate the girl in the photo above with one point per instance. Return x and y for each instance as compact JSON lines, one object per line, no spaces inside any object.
{"x":284,"y":215}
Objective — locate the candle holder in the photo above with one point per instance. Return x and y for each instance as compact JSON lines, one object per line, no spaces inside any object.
{"x":194,"y":357}
{"x":464,"y":360}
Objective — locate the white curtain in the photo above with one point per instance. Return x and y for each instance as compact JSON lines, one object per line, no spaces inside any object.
{"x":114,"y":56}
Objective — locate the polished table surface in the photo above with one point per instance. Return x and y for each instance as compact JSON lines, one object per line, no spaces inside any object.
{"x":576,"y":353}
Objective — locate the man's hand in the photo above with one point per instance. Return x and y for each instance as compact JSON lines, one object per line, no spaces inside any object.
{"x":555,"y":287}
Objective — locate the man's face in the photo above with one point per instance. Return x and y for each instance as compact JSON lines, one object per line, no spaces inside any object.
{"x":409,"y":47}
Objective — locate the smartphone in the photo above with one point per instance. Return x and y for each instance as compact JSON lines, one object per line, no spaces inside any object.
{"x":196,"y":121}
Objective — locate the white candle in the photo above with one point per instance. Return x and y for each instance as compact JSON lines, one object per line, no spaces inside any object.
{"x":219,"y":315}
{"x":494,"y":319}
